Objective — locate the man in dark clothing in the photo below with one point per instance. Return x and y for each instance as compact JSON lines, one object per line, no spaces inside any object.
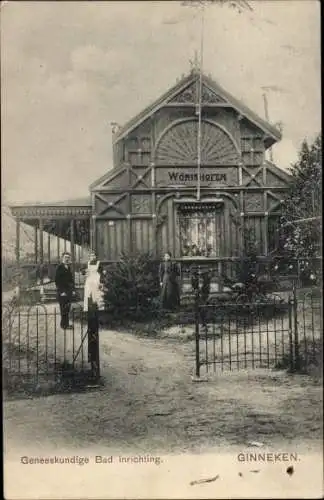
{"x":65,"y":289}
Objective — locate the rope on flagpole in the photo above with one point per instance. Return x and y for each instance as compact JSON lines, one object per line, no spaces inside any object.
{"x":200,"y":101}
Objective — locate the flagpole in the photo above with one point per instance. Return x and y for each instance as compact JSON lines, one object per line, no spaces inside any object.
{"x":200,"y":101}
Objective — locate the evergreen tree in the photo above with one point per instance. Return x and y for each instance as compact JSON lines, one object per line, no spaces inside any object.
{"x":301,"y":217}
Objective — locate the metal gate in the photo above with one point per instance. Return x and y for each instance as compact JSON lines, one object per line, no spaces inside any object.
{"x":268,"y":334}
{"x":36,"y":350}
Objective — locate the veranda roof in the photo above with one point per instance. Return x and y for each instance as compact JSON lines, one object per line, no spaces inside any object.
{"x":42,"y":208}
{"x":57,"y":216}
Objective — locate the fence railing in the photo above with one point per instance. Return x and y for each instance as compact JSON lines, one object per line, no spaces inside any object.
{"x":281,"y":330}
{"x":35,"y":348}
{"x":276,"y":273}
{"x":274,"y":333}
{"x":307,"y":328}
{"x":281,"y":273}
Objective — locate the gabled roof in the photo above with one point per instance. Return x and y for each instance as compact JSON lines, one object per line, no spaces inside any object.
{"x":231,"y":101}
{"x":110,"y":175}
{"x":283,"y":174}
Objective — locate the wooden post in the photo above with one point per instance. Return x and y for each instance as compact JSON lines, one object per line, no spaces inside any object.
{"x":242,"y":234}
{"x":41,"y":241}
{"x":265,"y":208}
{"x":239,"y":230}
{"x":295,"y":327}
{"x":41,"y":249}
{"x":241,"y":209}
{"x":96,"y":363}
{"x":93,"y":242}
{"x":18,"y":241}
{"x":49,"y":247}
{"x":197,"y":332}
{"x":129,"y":223}
{"x":72,"y":245}
{"x":58,"y":248}
{"x":154,"y":217}
{"x":176,"y":250}
{"x":36,"y":244}
{"x":265,"y":232}
{"x":91,"y":231}
{"x":130,"y":239}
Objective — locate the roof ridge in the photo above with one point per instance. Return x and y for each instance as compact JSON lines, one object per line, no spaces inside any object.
{"x":186,"y":80}
{"x":181,"y":83}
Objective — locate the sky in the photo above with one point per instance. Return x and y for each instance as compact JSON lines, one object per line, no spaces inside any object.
{"x":69,"y":69}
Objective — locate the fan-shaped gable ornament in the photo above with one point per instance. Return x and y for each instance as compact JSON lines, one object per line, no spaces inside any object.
{"x":179,"y":145}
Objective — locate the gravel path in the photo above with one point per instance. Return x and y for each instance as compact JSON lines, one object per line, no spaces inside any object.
{"x":149,"y":401}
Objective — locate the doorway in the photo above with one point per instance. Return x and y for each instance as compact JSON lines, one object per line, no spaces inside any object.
{"x":201,"y":229}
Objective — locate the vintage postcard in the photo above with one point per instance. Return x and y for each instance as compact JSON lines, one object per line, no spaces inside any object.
{"x":162,"y":331}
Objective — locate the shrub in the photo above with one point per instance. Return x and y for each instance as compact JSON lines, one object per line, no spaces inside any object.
{"x":14,"y":275}
{"x":251,"y":273}
{"x":310,"y":358}
{"x":132,"y":286}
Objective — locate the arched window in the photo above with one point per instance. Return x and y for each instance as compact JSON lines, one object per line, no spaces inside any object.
{"x":179,"y":145}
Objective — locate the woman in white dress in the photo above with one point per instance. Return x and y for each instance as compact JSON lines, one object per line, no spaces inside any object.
{"x":92,"y":305}
{"x":93,"y":290}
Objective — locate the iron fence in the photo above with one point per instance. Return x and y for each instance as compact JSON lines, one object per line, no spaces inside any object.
{"x":273,"y":273}
{"x":36,"y":349}
{"x":278,"y":332}
{"x":283,"y":330}
{"x":36,"y":282}
{"x":307,"y":328}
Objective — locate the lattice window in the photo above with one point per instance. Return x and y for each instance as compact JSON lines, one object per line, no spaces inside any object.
{"x":245,"y":145}
{"x":252,"y":150}
{"x":139,"y":157}
{"x":201,"y":230}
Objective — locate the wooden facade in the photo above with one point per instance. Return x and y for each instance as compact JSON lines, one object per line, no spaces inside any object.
{"x":148,"y":200}
{"x":139,"y":205}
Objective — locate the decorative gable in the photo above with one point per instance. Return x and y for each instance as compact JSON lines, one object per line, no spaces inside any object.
{"x":178,"y":146}
{"x":210,"y":97}
{"x":190,"y":95}
{"x":185,"y":92}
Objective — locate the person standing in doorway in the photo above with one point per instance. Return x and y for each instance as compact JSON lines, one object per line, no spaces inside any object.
{"x":65,"y":289}
{"x":169,"y":273}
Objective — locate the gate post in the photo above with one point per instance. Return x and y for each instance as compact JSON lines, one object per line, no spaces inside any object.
{"x":291,"y":345}
{"x":295,"y":327}
{"x":95,"y":364}
{"x":93,"y":341}
{"x":197,"y":332}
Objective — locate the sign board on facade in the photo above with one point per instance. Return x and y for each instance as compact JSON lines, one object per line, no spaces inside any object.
{"x":188,"y":176}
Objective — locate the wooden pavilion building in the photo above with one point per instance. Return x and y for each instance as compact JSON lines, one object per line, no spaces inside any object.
{"x":148,"y":200}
